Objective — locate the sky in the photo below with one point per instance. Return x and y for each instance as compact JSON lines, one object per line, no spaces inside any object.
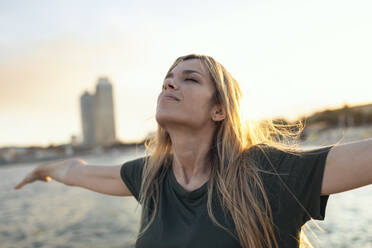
{"x":290,"y":57}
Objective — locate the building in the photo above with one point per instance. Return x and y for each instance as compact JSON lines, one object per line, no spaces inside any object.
{"x":87,"y":119}
{"x":104,"y":113}
{"x":97,"y":113}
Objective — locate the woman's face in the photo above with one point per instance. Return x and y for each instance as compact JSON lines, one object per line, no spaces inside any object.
{"x":191,"y":84}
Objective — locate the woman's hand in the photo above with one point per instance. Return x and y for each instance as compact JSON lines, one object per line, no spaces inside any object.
{"x":31,"y":177}
{"x":105,"y":179}
{"x":45,"y":172}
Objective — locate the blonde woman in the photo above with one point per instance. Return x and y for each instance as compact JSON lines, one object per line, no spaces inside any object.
{"x":210,"y":180}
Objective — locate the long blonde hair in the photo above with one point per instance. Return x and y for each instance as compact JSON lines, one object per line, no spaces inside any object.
{"x":231,"y":171}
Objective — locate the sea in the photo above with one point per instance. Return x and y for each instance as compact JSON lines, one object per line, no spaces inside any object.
{"x":54,"y":215}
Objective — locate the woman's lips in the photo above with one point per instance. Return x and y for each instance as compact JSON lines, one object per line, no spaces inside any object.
{"x":169,"y":98}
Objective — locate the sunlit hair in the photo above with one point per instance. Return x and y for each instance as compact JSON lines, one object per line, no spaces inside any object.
{"x":231,"y":171}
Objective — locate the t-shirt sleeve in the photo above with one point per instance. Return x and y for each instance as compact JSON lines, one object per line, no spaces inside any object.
{"x":303,"y":174}
{"x":131,"y":174}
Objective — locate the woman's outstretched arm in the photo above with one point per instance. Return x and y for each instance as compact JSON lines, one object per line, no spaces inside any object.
{"x":348,"y":166}
{"x":76,"y":172}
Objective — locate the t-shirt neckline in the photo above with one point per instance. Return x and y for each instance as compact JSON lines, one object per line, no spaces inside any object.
{"x":194,"y":194}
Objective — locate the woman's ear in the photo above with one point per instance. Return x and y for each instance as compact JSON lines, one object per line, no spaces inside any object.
{"x":218,"y":113}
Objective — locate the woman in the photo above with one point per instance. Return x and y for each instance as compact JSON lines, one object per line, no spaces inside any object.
{"x":208,"y":180}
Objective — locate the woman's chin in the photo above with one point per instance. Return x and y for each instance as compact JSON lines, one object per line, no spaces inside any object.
{"x":165,"y":120}
{"x":161,"y":120}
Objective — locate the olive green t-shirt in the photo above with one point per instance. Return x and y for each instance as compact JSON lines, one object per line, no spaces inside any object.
{"x":182,"y":219}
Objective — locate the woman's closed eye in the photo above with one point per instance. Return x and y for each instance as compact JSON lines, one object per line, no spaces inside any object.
{"x":191,"y":79}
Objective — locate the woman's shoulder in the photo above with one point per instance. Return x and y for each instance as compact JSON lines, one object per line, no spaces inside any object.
{"x":133,"y":167}
{"x":138,"y":161}
{"x":137,"y":165}
{"x":263,"y":151}
{"x":289,"y":162}
{"x":270,"y":158}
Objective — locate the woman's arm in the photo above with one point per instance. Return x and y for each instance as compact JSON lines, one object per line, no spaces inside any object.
{"x":348,"y":166}
{"x":76,"y":172}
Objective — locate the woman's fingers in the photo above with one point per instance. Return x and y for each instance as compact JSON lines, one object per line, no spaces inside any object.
{"x":28,"y":179}
{"x":31,"y":177}
{"x":18,"y":186}
{"x":21,"y":184}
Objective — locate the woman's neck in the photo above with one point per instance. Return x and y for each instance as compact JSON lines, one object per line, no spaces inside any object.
{"x":191,"y":162}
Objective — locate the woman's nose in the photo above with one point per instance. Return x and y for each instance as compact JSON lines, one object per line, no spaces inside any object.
{"x":169,"y":84}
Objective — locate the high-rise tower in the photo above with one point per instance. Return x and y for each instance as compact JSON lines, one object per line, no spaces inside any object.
{"x":87,"y":118}
{"x":104,"y":113}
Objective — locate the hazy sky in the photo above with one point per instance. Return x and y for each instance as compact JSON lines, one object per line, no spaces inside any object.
{"x":290,"y":58}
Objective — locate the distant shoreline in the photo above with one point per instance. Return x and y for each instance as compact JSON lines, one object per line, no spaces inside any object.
{"x":314,"y":139}
{"x":337,"y":134}
{"x":97,"y":152}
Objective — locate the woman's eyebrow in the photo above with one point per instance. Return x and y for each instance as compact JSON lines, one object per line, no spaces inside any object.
{"x":170,"y":75}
